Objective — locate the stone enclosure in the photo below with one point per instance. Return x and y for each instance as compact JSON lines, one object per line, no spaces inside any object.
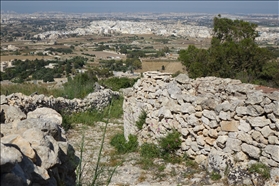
{"x":223,"y":123}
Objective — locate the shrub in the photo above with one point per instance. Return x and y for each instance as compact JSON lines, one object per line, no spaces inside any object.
{"x":149,"y":150}
{"x":261,"y":169}
{"x":170,"y":143}
{"x":141,"y":119}
{"x":122,"y":146}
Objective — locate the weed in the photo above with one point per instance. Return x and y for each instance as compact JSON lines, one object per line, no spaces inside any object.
{"x":116,"y":83}
{"x":122,"y":146}
{"x":149,"y":150}
{"x":141,"y":119}
{"x":170,"y":143}
{"x":261,"y":169}
{"x":215,"y":176}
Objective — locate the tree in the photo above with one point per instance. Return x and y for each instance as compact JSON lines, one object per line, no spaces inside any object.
{"x":233,"y":53}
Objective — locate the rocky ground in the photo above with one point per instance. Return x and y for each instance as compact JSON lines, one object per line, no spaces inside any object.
{"x":129,"y":171}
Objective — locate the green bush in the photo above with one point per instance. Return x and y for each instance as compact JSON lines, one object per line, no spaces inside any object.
{"x":170,"y":143}
{"x":122,"y":146}
{"x":149,"y":150}
{"x":141,"y":119}
{"x":116,"y":83}
{"x":261,"y":169}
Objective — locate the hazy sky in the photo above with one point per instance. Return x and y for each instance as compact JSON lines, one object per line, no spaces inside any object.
{"x":265,"y":7}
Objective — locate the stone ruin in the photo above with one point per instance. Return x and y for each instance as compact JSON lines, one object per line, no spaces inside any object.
{"x":224,"y":124}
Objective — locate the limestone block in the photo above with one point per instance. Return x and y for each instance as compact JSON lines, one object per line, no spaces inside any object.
{"x":258,"y":121}
{"x":229,"y":125}
{"x":273,"y":151}
{"x":251,"y":150}
{"x":244,"y":126}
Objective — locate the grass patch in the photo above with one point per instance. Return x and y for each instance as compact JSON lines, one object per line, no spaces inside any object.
{"x":122,"y":146}
{"x":261,"y":169}
{"x":215,"y":176}
{"x":90,"y":117}
{"x":141,"y":119}
{"x":28,"y":89}
{"x":149,"y":150}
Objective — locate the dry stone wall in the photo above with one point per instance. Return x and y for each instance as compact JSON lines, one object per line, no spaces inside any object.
{"x":34,"y":149}
{"x":223,"y":122}
{"x":95,"y":100}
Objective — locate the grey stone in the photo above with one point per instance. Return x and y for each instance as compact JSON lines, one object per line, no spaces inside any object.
{"x":252,"y":151}
{"x":219,"y":161}
{"x":244,"y":126}
{"x":182,"y":78}
{"x":269,"y":108}
{"x":276,"y":108}
{"x":233,"y":145}
{"x":274,"y":96}
{"x":241,"y":111}
{"x":209,"y":114}
{"x":12,"y":113}
{"x":3,"y":100}
{"x":266,"y":131}
{"x":273,"y":150}
{"x":192,"y":120}
{"x":273,"y":140}
{"x":225,"y":115}
{"x":10,"y":156}
{"x":187,"y":108}
{"x":258,"y":121}
{"x":254,"y":98}
{"x":255,"y":110}
{"x":244,"y":137}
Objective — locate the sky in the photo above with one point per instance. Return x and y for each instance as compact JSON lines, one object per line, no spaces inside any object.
{"x":198,"y":6}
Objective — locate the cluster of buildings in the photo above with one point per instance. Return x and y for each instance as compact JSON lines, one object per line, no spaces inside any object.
{"x":132,"y":27}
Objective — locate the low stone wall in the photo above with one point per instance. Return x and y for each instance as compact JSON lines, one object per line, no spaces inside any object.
{"x":95,"y":100}
{"x":217,"y":118}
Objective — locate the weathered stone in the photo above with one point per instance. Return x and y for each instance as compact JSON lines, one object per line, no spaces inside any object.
{"x":184,"y":131}
{"x":213,"y":133}
{"x":10,"y":156}
{"x":244,"y":126}
{"x":273,"y":140}
{"x":241,"y":111}
{"x":198,"y":128}
{"x":229,"y":125}
{"x":209,"y":114}
{"x":273,"y":150}
{"x":225,"y":115}
{"x":23,"y":145}
{"x":200,"y":140}
{"x":255,"y":110}
{"x":187,"y":108}
{"x":12,"y":113}
{"x":233,"y":145}
{"x":192,"y":120}
{"x":219,"y":161}
{"x":47,"y":114}
{"x":276,"y":108}
{"x":258,"y":121}
{"x":274,"y":96}
{"x":164,"y":113}
{"x":240,"y":156}
{"x":209,"y":140}
{"x":182,"y":78}
{"x":244,"y":137}
{"x":252,"y":151}
{"x":255,"y":98}
{"x":269,"y":108}
{"x":268,"y":161}
{"x":266,"y":131}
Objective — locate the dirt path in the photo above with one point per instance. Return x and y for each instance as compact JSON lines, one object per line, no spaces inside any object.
{"x":129,"y":171}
